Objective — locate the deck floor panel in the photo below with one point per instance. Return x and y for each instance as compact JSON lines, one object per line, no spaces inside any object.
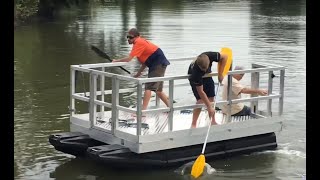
{"x":158,"y":122}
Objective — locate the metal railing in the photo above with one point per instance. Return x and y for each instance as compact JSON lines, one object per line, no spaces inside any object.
{"x":91,"y":96}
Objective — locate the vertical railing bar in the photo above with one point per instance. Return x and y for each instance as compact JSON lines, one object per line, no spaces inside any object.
{"x":282,"y":73}
{"x":72,"y":91}
{"x":115,"y":103}
{"x":95,"y":78}
{"x":229,"y":92}
{"x":171,"y":92}
{"x":102,"y":80}
{"x":157,"y":101}
{"x":139,"y":108}
{"x":270,"y":87}
{"x":255,"y":85}
{"x":92,"y":106}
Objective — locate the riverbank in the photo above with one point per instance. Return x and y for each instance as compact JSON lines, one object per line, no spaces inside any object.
{"x":37,"y":10}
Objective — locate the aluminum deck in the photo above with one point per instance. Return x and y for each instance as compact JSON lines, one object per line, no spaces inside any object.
{"x":157,"y":123}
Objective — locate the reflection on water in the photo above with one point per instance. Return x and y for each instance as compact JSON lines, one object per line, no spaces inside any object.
{"x":257,"y":165}
{"x":88,"y":170}
{"x":257,"y":31}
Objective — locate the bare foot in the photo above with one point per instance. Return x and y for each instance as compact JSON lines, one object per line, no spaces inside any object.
{"x":193,"y":126}
{"x":213,"y":123}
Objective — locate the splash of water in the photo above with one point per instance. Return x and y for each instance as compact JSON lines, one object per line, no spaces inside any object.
{"x":186,"y":169}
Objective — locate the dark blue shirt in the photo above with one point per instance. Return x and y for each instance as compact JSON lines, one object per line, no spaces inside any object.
{"x":196,"y":73}
{"x":155,"y":59}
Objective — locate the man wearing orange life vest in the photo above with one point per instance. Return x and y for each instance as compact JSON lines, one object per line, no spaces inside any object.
{"x":151,"y":56}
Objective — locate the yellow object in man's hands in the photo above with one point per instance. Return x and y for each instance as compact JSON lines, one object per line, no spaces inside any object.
{"x":226,"y":69}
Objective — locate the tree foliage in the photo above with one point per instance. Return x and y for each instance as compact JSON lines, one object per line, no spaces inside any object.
{"x":25,"y":9}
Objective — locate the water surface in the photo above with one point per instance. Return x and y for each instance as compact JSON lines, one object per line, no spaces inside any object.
{"x":257,"y":31}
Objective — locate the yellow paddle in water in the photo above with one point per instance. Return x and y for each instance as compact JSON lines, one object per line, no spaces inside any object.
{"x":198,"y":166}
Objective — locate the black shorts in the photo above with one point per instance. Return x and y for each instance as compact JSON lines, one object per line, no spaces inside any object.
{"x":246,"y":111}
{"x":208,"y":88}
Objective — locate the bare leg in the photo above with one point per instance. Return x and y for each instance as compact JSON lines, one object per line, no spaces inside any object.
{"x":213,"y":121}
{"x":146,"y":99}
{"x":195,"y":114}
{"x":163,"y":97}
{"x":213,"y":118}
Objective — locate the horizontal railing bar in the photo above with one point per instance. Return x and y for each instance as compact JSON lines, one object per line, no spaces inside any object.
{"x":255,"y":70}
{"x":79,"y":97}
{"x":80,"y":69}
{"x":130,"y":110}
{"x":246,"y":71}
{"x":107,"y":74}
{"x":156,"y":110}
{"x":266,"y":65}
{"x":166,"y":78}
{"x":183,"y":59}
{"x":97,"y":65}
{"x":271,"y":96}
{"x":120,"y":91}
{"x":258,"y":116}
{"x":87,"y":94}
{"x":176,"y":108}
{"x":101,"y":103}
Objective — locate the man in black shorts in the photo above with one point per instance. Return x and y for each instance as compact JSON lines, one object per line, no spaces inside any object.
{"x":203,"y":88}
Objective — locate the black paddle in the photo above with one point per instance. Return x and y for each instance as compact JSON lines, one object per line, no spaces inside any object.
{"x":104,"y":55}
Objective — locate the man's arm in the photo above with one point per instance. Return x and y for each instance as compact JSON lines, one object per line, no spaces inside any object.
{"x":142,"y":67}
{"x":126,"y":59}
{"x":261,"y":92}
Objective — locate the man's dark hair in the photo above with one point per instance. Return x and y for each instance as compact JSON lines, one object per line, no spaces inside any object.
{"x":203,"y":62}
{"x":134,"y":32}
